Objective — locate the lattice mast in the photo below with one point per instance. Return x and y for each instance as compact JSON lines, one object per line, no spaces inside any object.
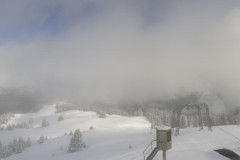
{"x":201,"y":107}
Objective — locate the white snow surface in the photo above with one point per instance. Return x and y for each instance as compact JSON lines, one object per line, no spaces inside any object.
{"x":111,"y":137}
{"x":163,"y":127}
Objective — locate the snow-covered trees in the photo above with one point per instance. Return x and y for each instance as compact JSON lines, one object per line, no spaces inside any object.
{"x":130,"y":146}
{"x":139,"y":112}
{"x":158,"y":117}
{"x":24,"y":124}
{"x":60,"y":118}
{"x":42,"y":139}
{"x":17,"y":146}
{"x":6,"y":151}
{"x":45,"y":123}
{"x":64,"y":106}
{"x":4,"y":118}
{"x":183,"y":121}
{"x":28,"y":142}
{"x":91,"y":128}
{"x":101,"y":114}
{"x":14,"y":147}
{"x":61,"y":148}
{"x":76,"y":142}
{"x":21,"y":144}
{"x":30,"y":123}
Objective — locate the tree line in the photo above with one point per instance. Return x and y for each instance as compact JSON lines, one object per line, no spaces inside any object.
{"x":14,"y":147}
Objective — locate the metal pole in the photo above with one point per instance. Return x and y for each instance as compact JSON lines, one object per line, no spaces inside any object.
{"x":164,"y":154}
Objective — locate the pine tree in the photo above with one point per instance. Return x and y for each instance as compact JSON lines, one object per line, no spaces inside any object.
{"x":223,"y":120}
{"x":130,"y":147}
{"x":76,"y":143}
{"x":41,"y":140}
{"x":28,"y":142}
{"x":20,"y":145}
{"x":30,"y":122}
{"x":102,"y":115}
{"x":5,"y":152}
{"x":8,"y":150}
{"x":195,"y":121}
{"x":183,"y":121}
{"x":45,"y":123}
{"x":140,"y":112}
{"x":164,"y":119}
{"x":10,"y":127}
{"x":61,"y":148}
{"x":60,"y":118}
{"x":13,"y":145}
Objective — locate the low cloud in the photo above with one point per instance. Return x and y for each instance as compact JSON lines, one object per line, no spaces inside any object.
{"x":133,"y":51}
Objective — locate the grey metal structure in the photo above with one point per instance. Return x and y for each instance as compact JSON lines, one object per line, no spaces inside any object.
{"x":201,"y":107}
{"x":163,"y":142}
{"x":151,"y":150}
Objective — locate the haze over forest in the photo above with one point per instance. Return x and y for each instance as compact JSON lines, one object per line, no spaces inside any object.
{"x":119,"y":52}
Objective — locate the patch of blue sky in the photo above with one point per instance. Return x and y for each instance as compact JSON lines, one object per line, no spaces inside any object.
{"x":57,"y":22}
{"x":155,"y":12}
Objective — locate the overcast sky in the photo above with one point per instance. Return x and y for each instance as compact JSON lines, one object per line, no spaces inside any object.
{"x":116,"y":50}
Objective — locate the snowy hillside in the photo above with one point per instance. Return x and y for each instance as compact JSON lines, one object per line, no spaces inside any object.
{"x":111,"y":137}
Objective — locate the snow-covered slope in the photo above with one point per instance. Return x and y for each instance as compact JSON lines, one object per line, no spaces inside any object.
{"x":111,"y":137}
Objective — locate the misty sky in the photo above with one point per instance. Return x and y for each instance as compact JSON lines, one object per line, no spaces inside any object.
{"x":115,"y":50}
